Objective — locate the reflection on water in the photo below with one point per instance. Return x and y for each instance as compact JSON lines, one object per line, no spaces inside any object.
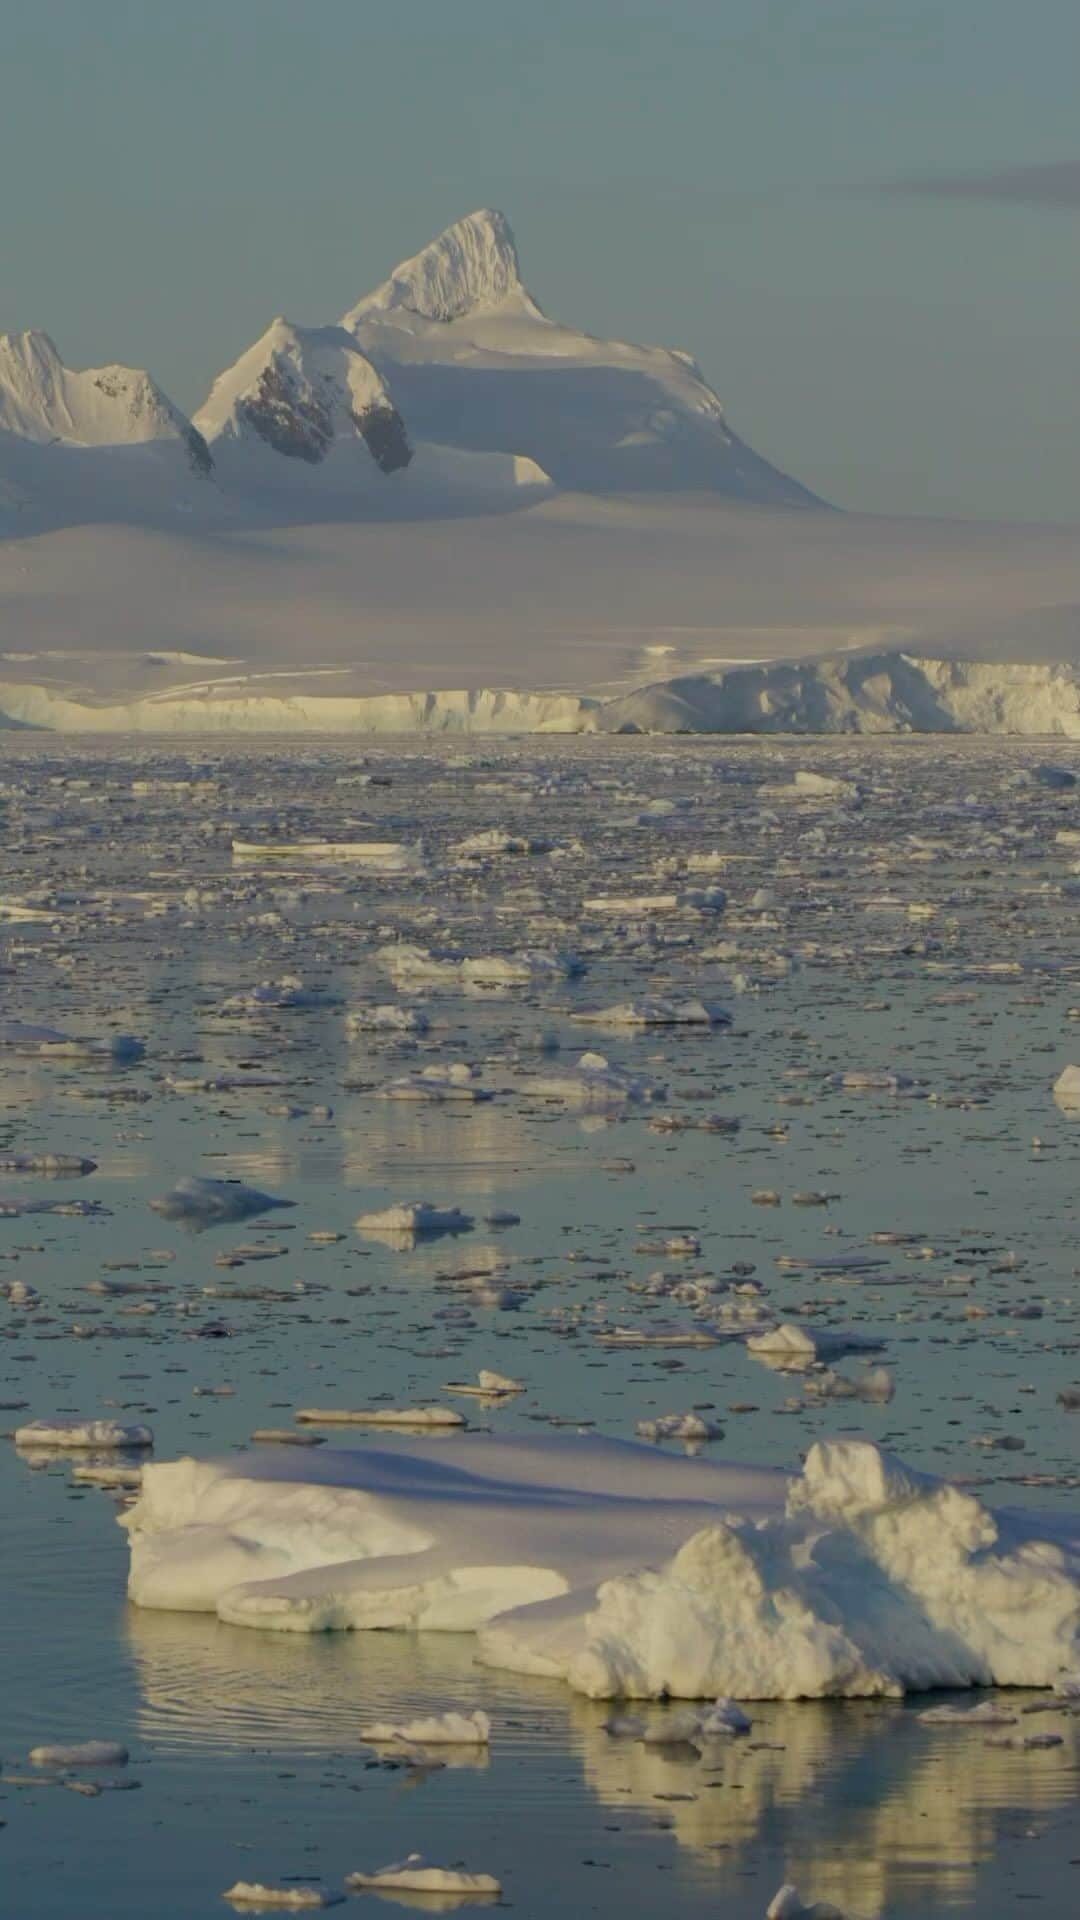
{"x":865,"y":1805}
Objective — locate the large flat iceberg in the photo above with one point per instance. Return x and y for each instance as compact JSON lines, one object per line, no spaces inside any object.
{"x":622,"y":1570}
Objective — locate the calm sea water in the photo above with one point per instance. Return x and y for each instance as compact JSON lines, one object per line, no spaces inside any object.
{"x":246,"y":1746}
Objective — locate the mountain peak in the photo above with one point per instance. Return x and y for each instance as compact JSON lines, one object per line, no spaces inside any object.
{"x":474,"y":263}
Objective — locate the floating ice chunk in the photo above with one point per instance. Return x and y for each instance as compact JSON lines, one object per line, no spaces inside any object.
{"x":408,"y":1221}
{"x":986,"y":1714}
{"x":55,"y":1166}
{"x":86,"y":1753}
{"x":875,"y":1385}
{"x":787,"y":1905}
{"x":380,"y":1417}
{"x":382,"y":856}
{"x":626,"y":1571}
{"x":199,"y":1202}
{"x":1067,"y":1090}
{"x":657,"y":1013}
{"x":679,"y":1426}
{"x":386,"y":1019}
{"x":413,"y":967}
{"x":870,"y":1080}
{"x":414,"y":1875}
{"x":490,"y":1382}
{"x":800,"y":1346}
{"x":96,"y":1474}
{"x":441,"y":1729}
{"x":68,"y":1431}
{"x":724,"y":1719}
{"x":252,"y":1893}
{"x":455,"y":1081}
{"x":21,"y":1037}
{"x":280,"y":995}
{"x":496,"y":840}
{"x":595,"y":1083}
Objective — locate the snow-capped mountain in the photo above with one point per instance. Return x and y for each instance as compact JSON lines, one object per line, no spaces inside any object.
{"x":101,"y":444}
{"x":304,"y":420}
{"x":44,"y":401}
{"x":473,"y":362}
{"x":445,"y":391}
{"x":301,"y":391}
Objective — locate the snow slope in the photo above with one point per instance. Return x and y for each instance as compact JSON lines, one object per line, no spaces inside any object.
{"x":622,"y":1570}
{"x":474,"y":363}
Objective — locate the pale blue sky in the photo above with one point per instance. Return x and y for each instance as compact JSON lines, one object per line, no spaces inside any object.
{"x":701,"y":174}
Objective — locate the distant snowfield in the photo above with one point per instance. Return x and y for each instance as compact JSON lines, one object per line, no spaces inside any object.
{"x":574,"y":613}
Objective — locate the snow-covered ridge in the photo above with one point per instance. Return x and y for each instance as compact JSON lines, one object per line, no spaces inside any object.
{"x":44,"y":401}
{"x":879,"y":693}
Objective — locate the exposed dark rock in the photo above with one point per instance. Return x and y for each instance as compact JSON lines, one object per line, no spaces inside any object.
{"x":383,"y":431}
{"x":291,"y":422}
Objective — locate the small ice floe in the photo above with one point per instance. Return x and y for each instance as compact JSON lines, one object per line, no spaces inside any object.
{"x":414,"y":1875}
{"x":96,"y":1474}
{"x":84,"y":1753}
{"x":68,"y":1431}
{"x":793,"y":1347}
{"x":488,"y":1385}
{"x":876,"y":1384}
{"x":1026,"y":1742}
{"x":986,"y":1714}
{"x":869,"y":1080}
{"x":413,"y":968}
{"x":456,"y":1081}
{"x":272,"y":996}
{"x":386,"y":1019}
{"x":221,"y":1082}
{"x":118,"y":1049}
{"x":440,"y":1729}
{"x":692,"y":1726}
{"x":381,"y":856}
{"x":496,"y":841}
{"x":285,"y":1437}
{"x":1067,"y":1090}
{"x":252,"y":1893}
{"x":679,"y":1426}
{"x":55,"y":1166}
{"x":199,"y":1202}
{"x":657,"y":1013}
{"x":596,"y":1084}
{"x":402,"y":1225}
{"x":788,"y":1905}
{"x":1069,"y":1398}
{"x":380,"y":1417}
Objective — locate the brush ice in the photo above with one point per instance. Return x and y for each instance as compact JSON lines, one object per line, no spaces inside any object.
{"x":625,"y":1571}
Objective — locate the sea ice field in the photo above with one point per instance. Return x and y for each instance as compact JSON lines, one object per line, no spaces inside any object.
{"x":541,"y":1354}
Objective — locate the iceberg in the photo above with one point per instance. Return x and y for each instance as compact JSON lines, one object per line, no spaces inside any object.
{"x":622,"y":1570}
